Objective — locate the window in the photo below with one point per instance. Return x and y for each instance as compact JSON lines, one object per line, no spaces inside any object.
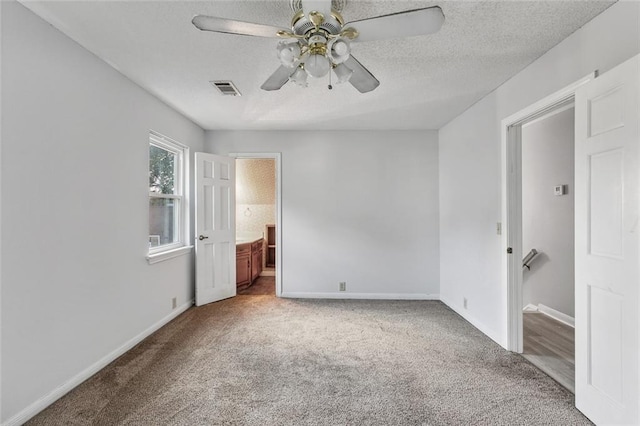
{"x":167,"y":204}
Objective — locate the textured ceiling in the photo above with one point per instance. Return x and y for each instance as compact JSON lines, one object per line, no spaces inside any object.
{"x":425,"y":81}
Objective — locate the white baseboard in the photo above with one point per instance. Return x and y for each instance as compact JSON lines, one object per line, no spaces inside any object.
{"x":268,"y":273}
{"x":48,"y":399}
{"x":557,"y":315}
{"x":474,"y":322}
{"x":530,"y":308}
{"x":346,"y":295}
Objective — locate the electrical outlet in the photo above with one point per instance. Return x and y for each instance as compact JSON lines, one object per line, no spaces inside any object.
{"x":174,"y":303}
{"x":343,"y":286}
{"x":464,"y":302}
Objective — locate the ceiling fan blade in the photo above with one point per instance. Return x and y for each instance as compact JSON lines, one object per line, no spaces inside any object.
{"x":322,"y":6}
{"x":278,"y":78}
{"x":361,"y":78}
{"x":229,"y":26}
{"x":398,"y":25}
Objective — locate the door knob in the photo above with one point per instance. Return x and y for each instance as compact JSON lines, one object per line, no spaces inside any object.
{"x":202,"y":237}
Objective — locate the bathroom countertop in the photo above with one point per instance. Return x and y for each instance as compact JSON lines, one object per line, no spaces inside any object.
{"x":247,"y":240}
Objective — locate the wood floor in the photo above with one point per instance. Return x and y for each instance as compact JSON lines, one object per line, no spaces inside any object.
{"x":549,"y":345}
{"x":262,"y":286}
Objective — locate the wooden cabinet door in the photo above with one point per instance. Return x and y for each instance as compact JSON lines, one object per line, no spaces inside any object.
{"x":256,"y":262}
{"x":243,"y":270}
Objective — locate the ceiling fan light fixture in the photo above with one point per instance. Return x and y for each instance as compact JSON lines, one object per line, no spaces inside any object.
{"x":289,"y":53}
{"x":343,"y":73}
{"x":299,"y":77}
{"x":320,"y":40}
{"x":338,"y":50}
{"x":317,"y":65}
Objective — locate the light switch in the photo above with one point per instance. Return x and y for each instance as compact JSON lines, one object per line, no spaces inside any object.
{"x":559,"y":190}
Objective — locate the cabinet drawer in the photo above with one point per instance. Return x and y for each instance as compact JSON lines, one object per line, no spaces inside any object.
{"x":243,"y":249}
{"x":257,"y":245}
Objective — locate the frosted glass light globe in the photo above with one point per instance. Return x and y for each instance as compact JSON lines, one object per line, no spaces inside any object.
{"x":286,"y":55}
{"x":317,"y":65}
{"x":340,"y":48}
{"x":299,"y":77}
{"x":289,"y":54}
{"x":343,"y":73}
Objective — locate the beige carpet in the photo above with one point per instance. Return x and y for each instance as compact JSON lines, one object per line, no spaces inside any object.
{"x":259,"y":360}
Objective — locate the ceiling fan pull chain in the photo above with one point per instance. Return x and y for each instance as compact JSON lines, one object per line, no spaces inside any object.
{"x":330,"y":86}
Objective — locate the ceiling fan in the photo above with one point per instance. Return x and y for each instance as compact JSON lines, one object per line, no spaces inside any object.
{"x":320,"y":41}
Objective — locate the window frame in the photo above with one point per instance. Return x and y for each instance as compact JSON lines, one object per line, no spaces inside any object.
{"x":181,"y":192}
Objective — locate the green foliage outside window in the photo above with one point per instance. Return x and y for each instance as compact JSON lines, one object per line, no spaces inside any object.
{"x":161,"y":170}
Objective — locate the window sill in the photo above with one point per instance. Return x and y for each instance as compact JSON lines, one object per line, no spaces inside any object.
{"x":169,"y":254}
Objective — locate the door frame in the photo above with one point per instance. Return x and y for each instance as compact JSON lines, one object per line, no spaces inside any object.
{"x":511,"y":271}
{"x":277,"y":156}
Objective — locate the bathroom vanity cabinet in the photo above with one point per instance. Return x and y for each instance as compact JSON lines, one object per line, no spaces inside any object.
{"x":248,"y":261}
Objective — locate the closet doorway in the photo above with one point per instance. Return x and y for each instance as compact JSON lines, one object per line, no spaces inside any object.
{"x":258,"y":213}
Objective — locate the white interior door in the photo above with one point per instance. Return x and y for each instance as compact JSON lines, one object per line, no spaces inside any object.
{"x":607,"y":241}
{"x":215,"y":228}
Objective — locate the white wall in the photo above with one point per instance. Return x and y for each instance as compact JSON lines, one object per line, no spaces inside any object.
{"x":360,"y":207}
{"x":75,"y":282}
{"x":547,"y":219}
{"x":470,"y":163}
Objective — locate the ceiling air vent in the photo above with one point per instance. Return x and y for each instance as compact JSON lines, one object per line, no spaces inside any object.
{"x":226,"y":88}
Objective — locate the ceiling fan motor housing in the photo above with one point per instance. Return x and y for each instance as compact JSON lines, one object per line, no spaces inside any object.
{"x":302,"y":25}
{"x":337,"y":5}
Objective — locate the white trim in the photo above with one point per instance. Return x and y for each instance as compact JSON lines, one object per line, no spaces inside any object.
{"x":182,"y":185}
{"x":371,"y":296}
{"x":0,"y":214}
{"x":550,"y":312}
{"x":165,"y":196}
{"x":48,"y":399}
{"x":549,"y":114}
{"x":277,"y":156}
{"x":547,"y":104}
{"x":163,"y":248}
{"x":473,"y":321}
{"x":511,"y":235}
{"x":168,"y":254}
{"x":557,"y":315}
{"x":511,"y":270}
{"x":268,"y":273}
{"x":166,"y":141}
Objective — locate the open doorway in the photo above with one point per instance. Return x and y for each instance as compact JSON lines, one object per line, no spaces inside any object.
{"x":548,"y":281}
{"x":606,"y":238}
{"x":257,"y":223}
{"x":515,"y":252}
